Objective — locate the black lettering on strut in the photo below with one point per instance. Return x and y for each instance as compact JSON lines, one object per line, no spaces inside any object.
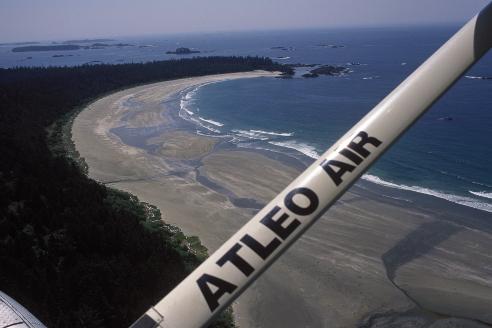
{"x":233,"y":257}
{"x":296,"y":209}
{"x":358,"y":147}
{"x":355,"y":152}
{"x":258,"y":248}
{"x":212,"y":298}
{"x":351,"y":155}
{"x":337,"y":175}
{"x":276,"y":225}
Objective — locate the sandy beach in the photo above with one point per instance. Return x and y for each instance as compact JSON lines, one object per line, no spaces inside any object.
{"x":370,"y":261}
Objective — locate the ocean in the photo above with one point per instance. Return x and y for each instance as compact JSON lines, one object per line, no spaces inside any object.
{"x":447,"y":154}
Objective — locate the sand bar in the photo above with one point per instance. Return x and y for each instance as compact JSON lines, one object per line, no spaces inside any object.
{"x":369,"y":262}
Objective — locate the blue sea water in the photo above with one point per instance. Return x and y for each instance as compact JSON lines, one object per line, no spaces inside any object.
{"x":447,"y":154}
{"x":445,"y":158}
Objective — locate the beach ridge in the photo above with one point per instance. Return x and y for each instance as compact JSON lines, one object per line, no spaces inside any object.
{"x":211,"y":191}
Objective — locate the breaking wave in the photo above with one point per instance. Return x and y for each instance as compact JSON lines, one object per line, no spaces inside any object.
{"x":188,"y":100}
{"x":371,"y":77}
{"x":211,"y":121}
{"x":282,"y":134}
{"x":254,"y":138}
{"x":483,"y":194}
{"x":249,"y":135}
{"x":260,"y":134}
{"x":187,"y":113}
{"x":471,"y":77}
{"x":462,"y":200}
{"x":301,"y":147}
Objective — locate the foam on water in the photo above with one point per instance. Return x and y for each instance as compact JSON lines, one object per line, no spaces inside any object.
{"x":301,"y":147}
{"x":462,"y":200}
{"x":259,"y":138}
{"x":211,"y":121}
{"x":249,"y":135}
{"x":183,"y":106}
{"x":187,"y":100}
{"x":481,"y":184}
{"x":187,"y":113}
{"x":471,"y":77}
{"x":483,"y":194}
{"x":281,"y":134}
{"x":200,"y":133}
{"x":371,"y":77}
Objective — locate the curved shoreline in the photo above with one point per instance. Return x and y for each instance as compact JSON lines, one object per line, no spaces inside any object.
{"x":331,"y":276}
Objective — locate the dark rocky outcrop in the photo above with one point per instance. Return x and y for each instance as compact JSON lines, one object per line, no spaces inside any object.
{"x":183,"y":51}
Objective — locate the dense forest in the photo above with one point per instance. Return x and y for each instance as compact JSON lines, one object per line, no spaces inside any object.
{"x":74,"y":252}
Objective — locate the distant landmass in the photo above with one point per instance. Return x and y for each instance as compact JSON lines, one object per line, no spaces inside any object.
{"x":100,"y":45}
{"x":301,"y":65}
{"x":183,"y":51}
{"x":87,"y":41}
{"x":47,"y":48}
{"x":18,"y":43}
{"x":63,"y":47}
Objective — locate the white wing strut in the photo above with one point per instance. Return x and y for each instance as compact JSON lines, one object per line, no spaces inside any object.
{"x":236,"y":264}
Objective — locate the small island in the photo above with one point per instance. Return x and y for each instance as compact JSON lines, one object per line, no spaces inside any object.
{"x":121,"y":45}
{"x":282,"y":48}
{"x":182,"y":51}
{"x":333,"y":46}
{"x":327,"y":70}
{"x":330,"y":70}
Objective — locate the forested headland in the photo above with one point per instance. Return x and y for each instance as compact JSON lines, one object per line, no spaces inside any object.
{"x":74,"y":252}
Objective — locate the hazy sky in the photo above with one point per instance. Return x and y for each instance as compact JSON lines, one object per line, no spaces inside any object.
{"x":23,"y":20}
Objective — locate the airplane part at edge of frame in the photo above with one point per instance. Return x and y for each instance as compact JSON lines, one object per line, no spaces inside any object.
{"x":251,"y":250}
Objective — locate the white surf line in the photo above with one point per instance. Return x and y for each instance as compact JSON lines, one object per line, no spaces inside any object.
{"x":218,"y":281}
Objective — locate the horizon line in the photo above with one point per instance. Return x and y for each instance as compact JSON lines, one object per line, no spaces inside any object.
{"x":233,"y":31}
